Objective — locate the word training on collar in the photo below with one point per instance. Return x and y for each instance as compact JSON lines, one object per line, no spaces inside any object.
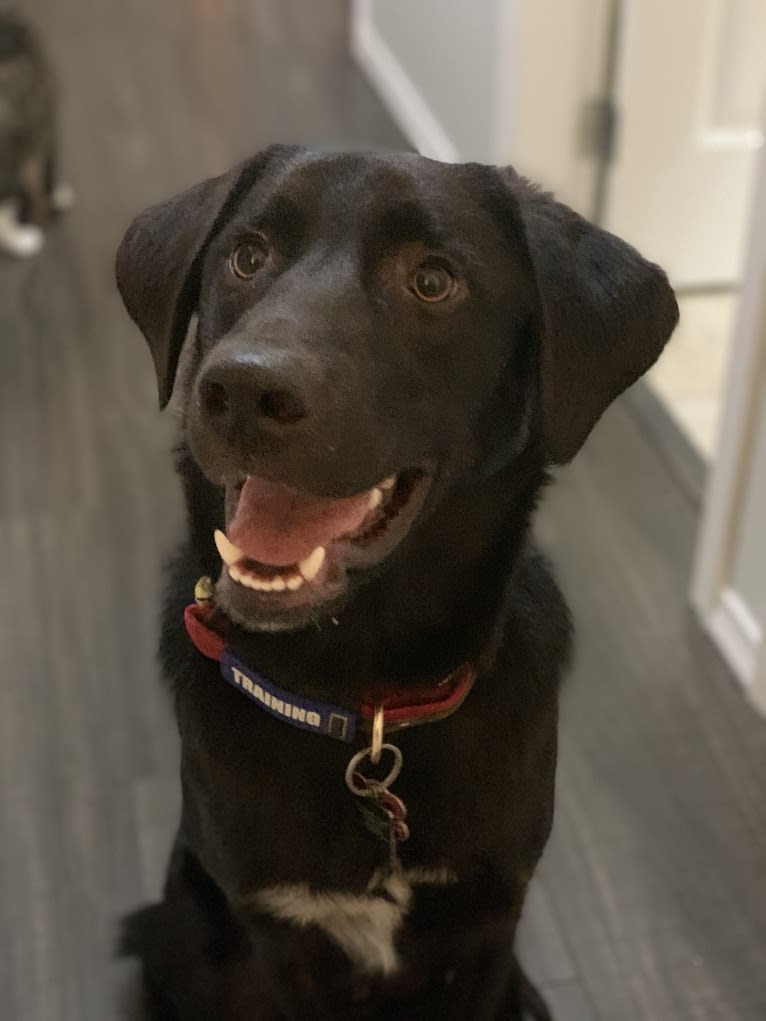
{"x":300,"y":712}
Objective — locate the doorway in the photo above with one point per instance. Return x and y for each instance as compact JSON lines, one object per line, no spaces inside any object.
{"x":687,"y":84}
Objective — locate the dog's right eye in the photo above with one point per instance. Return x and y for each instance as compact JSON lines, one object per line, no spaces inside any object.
{"x":248,"y":257}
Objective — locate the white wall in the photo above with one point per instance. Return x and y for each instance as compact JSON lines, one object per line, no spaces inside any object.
{"x":448,"y":50}
{"x":497,"y":81}
{"x":749,"y":571}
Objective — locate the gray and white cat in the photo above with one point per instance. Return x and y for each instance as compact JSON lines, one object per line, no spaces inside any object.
{"x":29,"y":188}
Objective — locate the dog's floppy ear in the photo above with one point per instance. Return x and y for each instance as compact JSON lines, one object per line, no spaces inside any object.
{"x":160,"y":258}
{"x":606,"y":314}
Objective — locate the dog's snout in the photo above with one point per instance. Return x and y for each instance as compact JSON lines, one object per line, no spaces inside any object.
{"x":237,"y":395}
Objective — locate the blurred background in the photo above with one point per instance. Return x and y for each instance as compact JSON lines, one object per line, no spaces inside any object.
{"x":647,"y":117}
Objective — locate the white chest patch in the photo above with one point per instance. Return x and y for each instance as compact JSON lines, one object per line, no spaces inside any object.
{"x":365,"y":925}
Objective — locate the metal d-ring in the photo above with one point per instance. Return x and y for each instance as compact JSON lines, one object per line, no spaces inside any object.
{"x":377,"y":735}
{"x":351,"y":769}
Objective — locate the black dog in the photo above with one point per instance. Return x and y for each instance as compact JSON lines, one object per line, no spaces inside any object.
{"x":389,"y":355}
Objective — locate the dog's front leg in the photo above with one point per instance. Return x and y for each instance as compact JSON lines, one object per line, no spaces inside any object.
{"x":194,"y":954}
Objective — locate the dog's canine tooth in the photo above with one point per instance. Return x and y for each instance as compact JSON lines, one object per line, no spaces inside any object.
{"x":310,"y":567}
{"x":376,"y":498}
{"x":228,"y":552}
{"x":388,"y":483}
{"x":294,"y":582}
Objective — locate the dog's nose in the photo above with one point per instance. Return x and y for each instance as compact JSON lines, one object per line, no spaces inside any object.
{"x":239,"y":395}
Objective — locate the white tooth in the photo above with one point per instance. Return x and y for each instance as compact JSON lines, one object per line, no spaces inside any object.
{"x":276,"y":584}
{"x":309,"y":567}
{"x":388,"y":483}
{"x":376,"y":498}
{"x":229,"y":553}
{"x":273,"y":584}
{"x":243,"y":579}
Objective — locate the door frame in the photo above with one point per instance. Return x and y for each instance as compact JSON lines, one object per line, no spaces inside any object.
{"x":549,"y":140}
{"x":721,"y":609}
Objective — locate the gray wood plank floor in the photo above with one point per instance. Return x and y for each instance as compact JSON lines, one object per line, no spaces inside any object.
{"x":651,"y":902}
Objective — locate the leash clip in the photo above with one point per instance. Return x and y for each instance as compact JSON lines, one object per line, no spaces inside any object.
{"x":384,"y":814}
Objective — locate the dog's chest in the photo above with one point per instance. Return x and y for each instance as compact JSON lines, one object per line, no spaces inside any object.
{"x":365,"y":926}
{"x":269,"y":813}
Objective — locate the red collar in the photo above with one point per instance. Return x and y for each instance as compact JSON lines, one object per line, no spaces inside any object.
{"x":207,"y":630}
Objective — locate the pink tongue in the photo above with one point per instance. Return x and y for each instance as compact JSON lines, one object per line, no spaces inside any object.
{"x":277,"y":525}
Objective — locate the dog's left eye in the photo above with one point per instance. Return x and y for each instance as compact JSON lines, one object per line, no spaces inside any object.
{"x":432,"y":282}
{"x":248,"y":257}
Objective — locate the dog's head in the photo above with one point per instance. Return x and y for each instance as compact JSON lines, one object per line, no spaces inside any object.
{"x":375,"y":331}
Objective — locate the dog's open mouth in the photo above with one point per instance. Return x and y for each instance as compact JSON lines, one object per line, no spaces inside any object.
{"x":285,"y":550}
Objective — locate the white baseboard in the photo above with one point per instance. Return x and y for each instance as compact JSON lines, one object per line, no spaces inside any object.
{"x":401,"y":97}
{"x":738,"y":636}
